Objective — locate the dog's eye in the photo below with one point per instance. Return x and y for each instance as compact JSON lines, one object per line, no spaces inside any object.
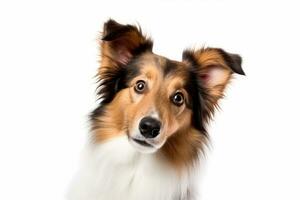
{"x":140,"y":86}
{"x":178,"y":99}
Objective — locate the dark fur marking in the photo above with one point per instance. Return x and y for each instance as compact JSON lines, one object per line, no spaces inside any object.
{"x":113,"y":30}
{"x":110,"y":85}
{"x":146,"y":46}
{"x":196,"y":93}
{"x":234,"y":61}
{"x":170,"y":67}
{"x":99,"y":111}
{"x":188,"y":55}
{"x":132,"y":70}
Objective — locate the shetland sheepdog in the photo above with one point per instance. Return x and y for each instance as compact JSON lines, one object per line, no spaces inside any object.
{"x":149,"y":130}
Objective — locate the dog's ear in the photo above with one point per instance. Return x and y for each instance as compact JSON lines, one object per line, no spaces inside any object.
{"x":214,"y":68}
{"x":121,"y":42}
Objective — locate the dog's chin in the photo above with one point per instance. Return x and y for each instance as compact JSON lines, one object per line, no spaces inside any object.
{"x":143,"y":146}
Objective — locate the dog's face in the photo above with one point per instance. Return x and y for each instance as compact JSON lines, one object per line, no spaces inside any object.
{"x":159,"y":101}
{"x":154,"y":100}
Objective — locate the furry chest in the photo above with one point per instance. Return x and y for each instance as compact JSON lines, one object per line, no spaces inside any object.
{"x":114,"y":170}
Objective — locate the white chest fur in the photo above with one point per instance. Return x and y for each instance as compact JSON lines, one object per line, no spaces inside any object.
{"x":116,"y":171}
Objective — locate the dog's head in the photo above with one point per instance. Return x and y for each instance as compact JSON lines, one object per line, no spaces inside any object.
{"x":153,"y":99}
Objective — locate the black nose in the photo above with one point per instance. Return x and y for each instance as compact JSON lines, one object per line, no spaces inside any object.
{"x":149,"y":127}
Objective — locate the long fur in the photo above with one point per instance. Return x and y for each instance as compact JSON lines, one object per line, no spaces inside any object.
{"x":165,"y":167}
{"x":114,"y":171}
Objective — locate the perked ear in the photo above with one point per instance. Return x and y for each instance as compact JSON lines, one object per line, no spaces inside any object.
{"x":214,"y":68}
{"x":121,"y":42}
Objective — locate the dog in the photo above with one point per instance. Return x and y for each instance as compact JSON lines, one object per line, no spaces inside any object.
{"x":149,"y":131}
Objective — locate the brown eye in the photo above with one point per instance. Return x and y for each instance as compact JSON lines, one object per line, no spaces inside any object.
{"x":178,"y":99}
{"x":140,"y":86}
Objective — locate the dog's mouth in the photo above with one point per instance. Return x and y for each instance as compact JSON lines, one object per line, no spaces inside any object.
{"x":142,"y":142}
{"x":142,"y":145}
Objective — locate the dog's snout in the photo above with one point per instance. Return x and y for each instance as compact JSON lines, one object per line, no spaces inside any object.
{"x":149,"y":127}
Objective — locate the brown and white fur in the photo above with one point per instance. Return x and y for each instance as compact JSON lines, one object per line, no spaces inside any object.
{"x":129,"y":160}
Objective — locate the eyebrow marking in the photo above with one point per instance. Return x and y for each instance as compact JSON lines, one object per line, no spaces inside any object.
{"x":169,"y":67}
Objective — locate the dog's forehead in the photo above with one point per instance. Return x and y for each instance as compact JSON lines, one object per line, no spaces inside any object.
{"x":153,"y":65}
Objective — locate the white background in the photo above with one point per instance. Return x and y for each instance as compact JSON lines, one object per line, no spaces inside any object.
{"x":48,"y":57}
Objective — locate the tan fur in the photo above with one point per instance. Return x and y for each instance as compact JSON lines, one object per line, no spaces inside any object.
{"x":127,"y":107}
{"x":113,"y":121}
{"x":122,"y":114}
{"x":184,"y":147}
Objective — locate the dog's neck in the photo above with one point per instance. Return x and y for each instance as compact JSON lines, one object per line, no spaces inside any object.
{"x":115,"y":170}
